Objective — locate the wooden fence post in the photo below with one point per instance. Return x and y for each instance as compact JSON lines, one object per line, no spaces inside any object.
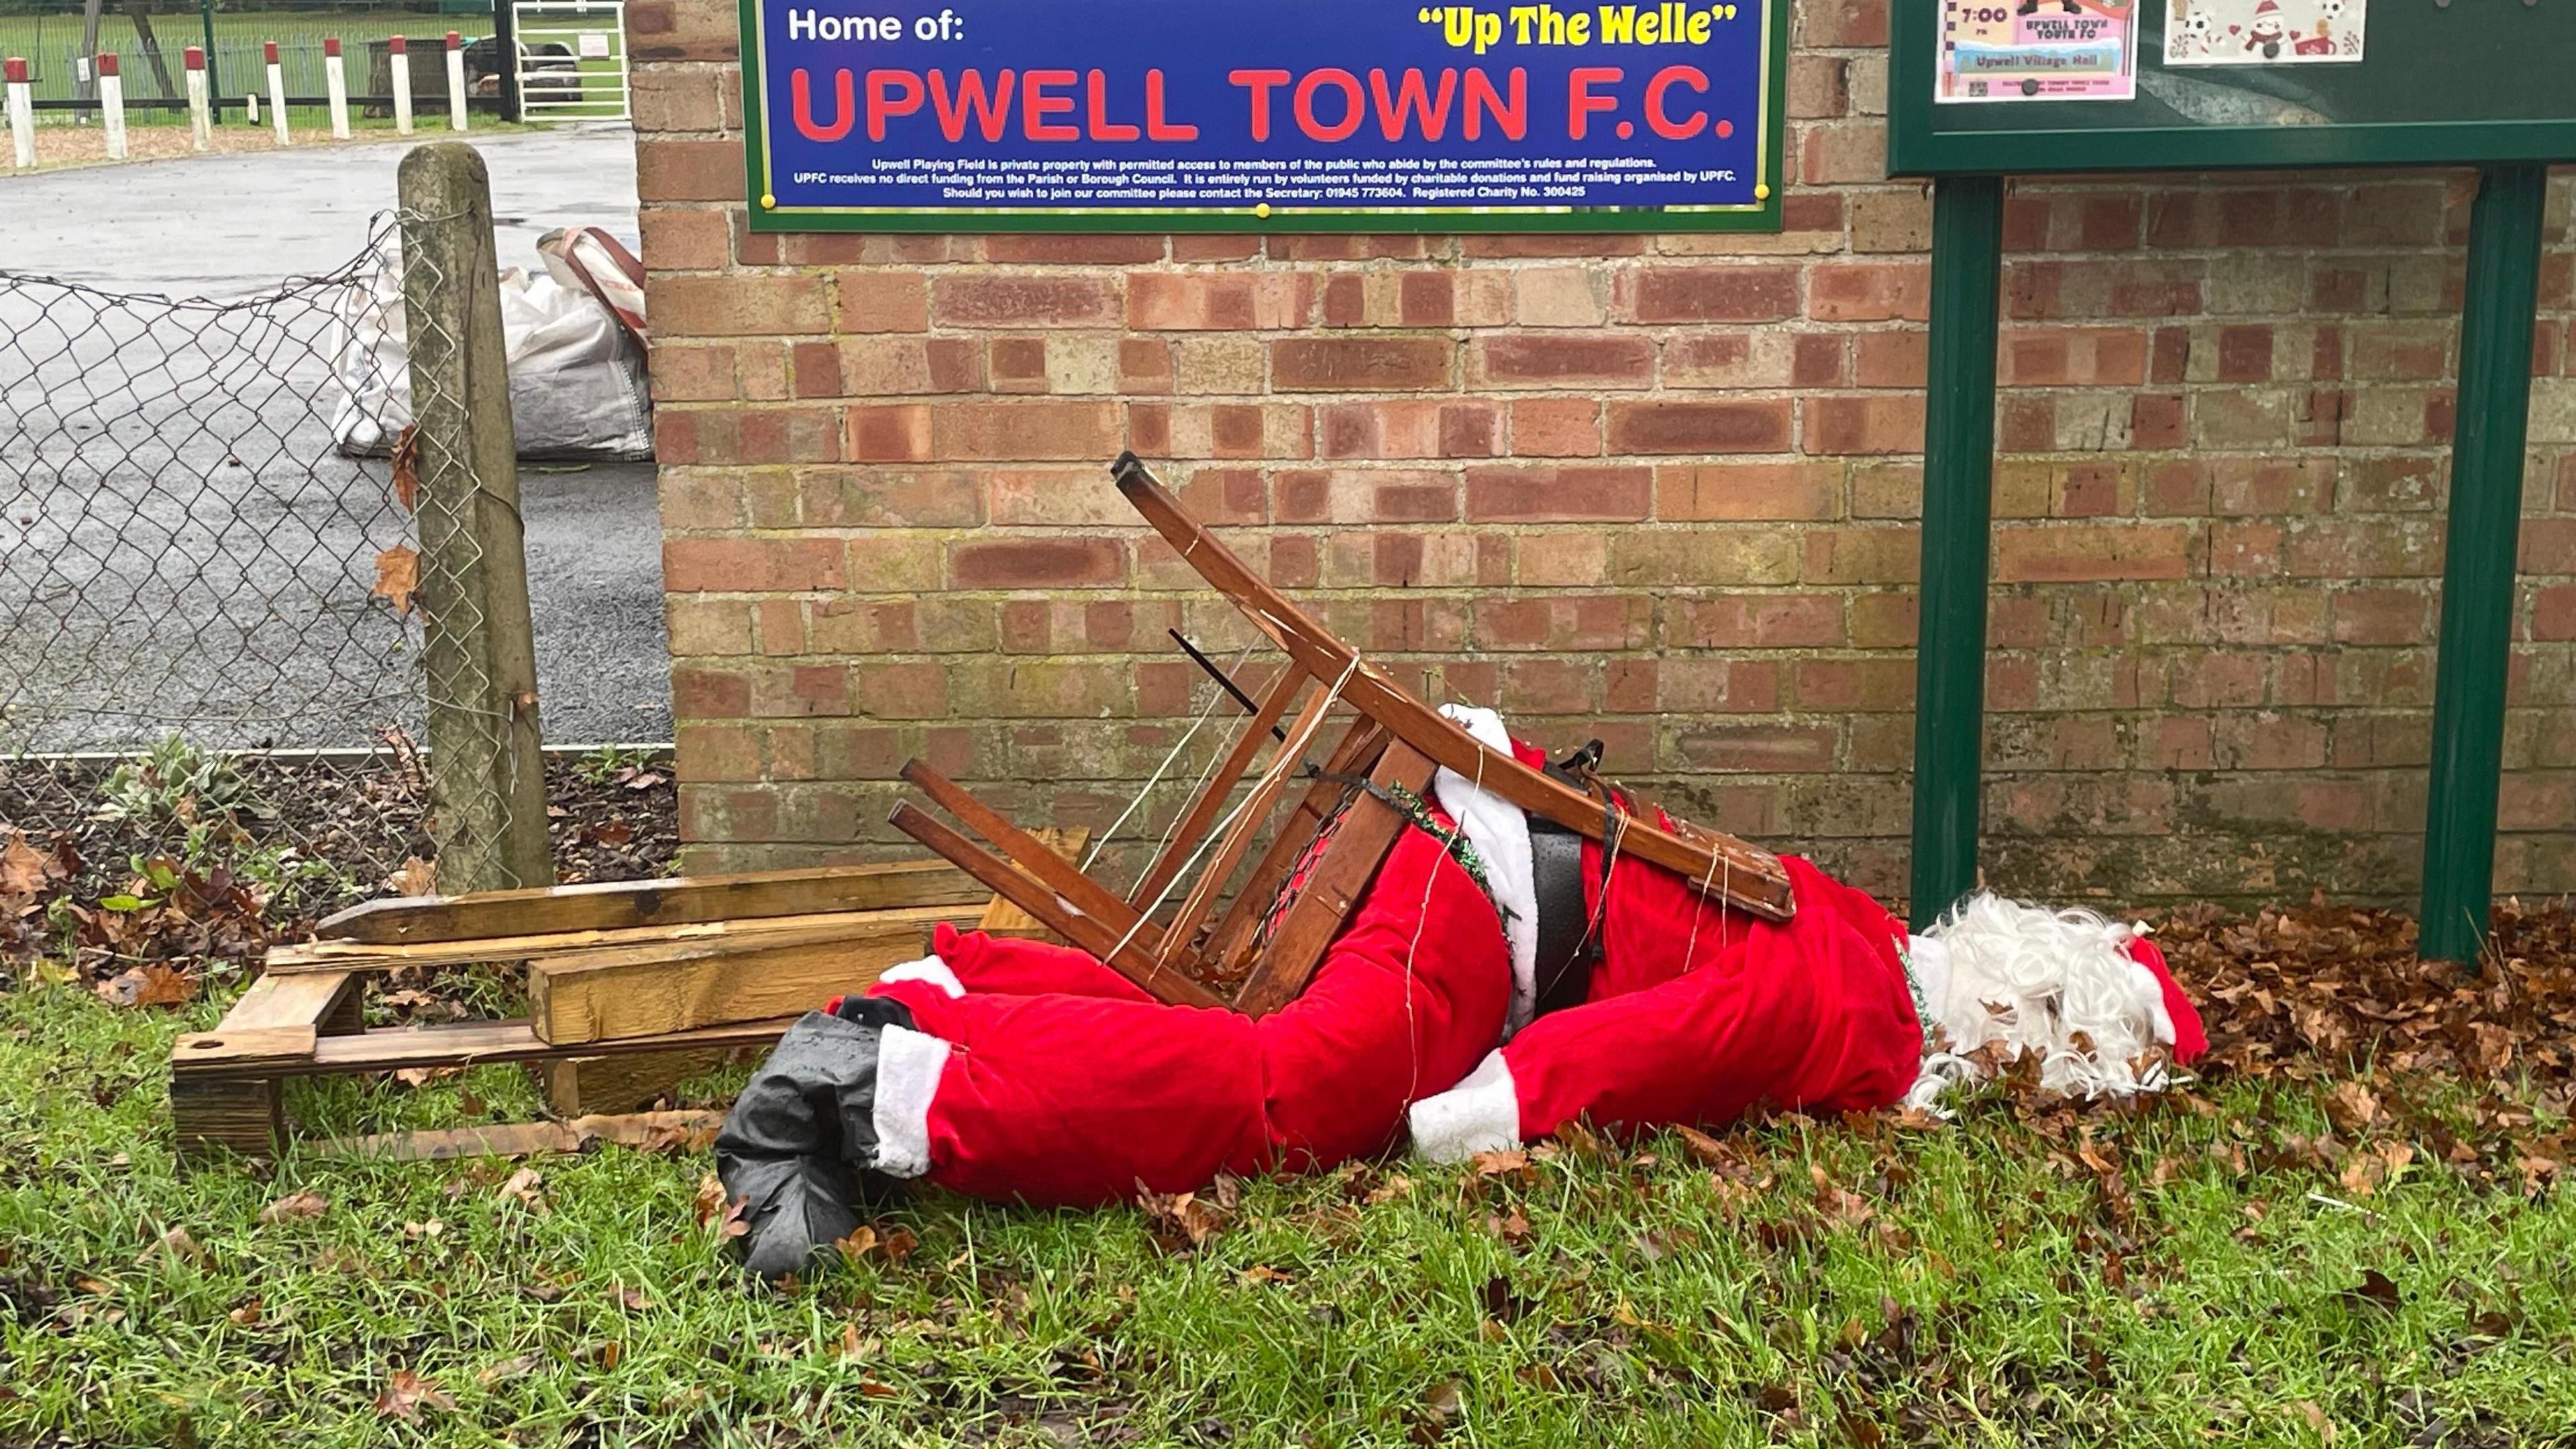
{"x":487,"y":777}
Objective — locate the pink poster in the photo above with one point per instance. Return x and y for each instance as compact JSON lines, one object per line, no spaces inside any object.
{"x":2038,"y":50}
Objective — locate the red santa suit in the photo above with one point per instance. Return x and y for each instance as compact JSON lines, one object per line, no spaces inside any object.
{"x":1017,"y":1070}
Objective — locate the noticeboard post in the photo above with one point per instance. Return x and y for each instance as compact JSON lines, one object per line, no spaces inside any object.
{"x":1982,"y":89}
{"x":1263,"y":115}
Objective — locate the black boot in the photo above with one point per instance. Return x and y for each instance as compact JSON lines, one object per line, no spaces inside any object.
{"x":802,"y":1130}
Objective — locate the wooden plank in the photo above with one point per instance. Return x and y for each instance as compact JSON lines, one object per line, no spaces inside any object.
{"x":213,"y":1116}
{"x":247,"y":1115}
{"x":1333,"y":886}
{"x":1060,"y":915}
{"x":1035,"y":856}
{"x":1229,"y":772}
{"x":351,"y":956}
{"x":306,"y":999}
{"x":682,"y":900}
{"x":1181,"y":932}
{"x":1360,"y":748}
{"x":587,"y":1085}
{"x":679,"y":986}
{"x":465,"y":1044}
{"x":1717,"y":864}
{"x":1001,"y":918}
{"x":689,"y":1130}
{"x":250,"y":1051}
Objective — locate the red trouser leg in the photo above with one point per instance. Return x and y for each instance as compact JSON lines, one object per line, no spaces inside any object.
{"x":1016,"y":967}
{"x":1062,"y":1098}
{"x":1811,"y":1013}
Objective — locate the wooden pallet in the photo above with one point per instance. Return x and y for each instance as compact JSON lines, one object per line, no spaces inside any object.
{"x":668,"y":973}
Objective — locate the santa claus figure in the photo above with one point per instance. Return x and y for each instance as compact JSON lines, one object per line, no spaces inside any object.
{"x":1499,"y":979}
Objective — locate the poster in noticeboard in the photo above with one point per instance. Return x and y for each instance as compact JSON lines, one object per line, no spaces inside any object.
{"x":1263,"y":115}
{"x":2265,"y":32}
{"x":2037,"y":50}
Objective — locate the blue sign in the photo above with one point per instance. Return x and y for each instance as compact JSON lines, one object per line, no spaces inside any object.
{"x":960,"y":115}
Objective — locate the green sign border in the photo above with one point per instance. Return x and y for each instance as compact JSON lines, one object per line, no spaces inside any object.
{"x":1764,"y":217}
{"x":1916,"y":146}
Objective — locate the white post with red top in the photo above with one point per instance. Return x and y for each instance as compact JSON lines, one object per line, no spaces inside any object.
{"x":22,"y":113}
{"x":111,"y":105}
{"x":276,"y":90}
{"x":455,"y":81}
{"x":335,"y":82}
{"x":398,"y":60}
{"x":201,"y":120}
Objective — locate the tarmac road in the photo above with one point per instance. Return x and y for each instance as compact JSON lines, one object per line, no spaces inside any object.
{"x":180,"y":546}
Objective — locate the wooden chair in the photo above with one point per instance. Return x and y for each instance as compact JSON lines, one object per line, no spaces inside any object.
{"x":1321,"y":856}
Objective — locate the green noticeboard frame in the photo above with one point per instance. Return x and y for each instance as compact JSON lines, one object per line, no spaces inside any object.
{"x":2487,"y":83}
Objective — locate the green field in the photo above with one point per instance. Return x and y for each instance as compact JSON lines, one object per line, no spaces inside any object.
{"x":48,"y":42}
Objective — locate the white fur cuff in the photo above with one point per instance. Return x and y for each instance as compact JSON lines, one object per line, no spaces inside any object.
{"x":930,"y":969}
{"x":1480,"y":1114}
{"x":908,"y":1068}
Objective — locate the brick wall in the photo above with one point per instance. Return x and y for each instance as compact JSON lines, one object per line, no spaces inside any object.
{"x":1658,"y":489}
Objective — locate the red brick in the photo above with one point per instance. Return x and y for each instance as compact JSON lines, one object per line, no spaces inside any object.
{"x":882,"y":301}
{"x":736,"y":306}
{"x":1557,"y":495}
{"x":1024,"y":301}
{"x":1757,"y":748}
{"x":1360,"y":364}
{"x":1029,"y":431}
{"x":2553,"y":612}
{"x":1749,"y":426}
{"x":1757,"y":621}
{"x":1870,"y":291}
{"x":1556,"y":428}
{"x":1167,"y":301}
{"x":751,"y":565}
{"x":1560,"y":359}
{"x":898,"y":433}
{"x":708,"y":693}
{"x":677,"y":240}
{"x":788,"y":435}
{"x":669,"y":169}
{"x":1036,"y":563}
{"x":1878,"y":423}
{"x":1709,"y":294}
{"x":1739,"y":492}
{"x":660,"y":30}
{"x":2067,"y":552}
{"x":1892,"y":359}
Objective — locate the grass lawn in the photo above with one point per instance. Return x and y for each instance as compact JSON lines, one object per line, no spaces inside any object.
{"x":2183,"y":1276}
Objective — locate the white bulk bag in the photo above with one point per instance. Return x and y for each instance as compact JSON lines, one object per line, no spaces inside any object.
{"x":578,"y":387}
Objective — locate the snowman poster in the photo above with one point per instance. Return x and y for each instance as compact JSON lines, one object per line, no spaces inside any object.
{"x":2264,"y":32}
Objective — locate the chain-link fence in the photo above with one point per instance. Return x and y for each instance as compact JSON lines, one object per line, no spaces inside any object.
{"x":217,"y":562}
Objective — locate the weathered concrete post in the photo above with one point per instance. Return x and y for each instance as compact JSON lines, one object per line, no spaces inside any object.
{"x":487,"y":781}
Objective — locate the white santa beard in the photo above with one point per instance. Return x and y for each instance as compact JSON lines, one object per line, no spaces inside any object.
{"x":2037,"y":980}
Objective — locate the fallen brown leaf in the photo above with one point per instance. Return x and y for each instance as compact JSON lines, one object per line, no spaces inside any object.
{"x":152,"y":984}
{"x":304,"y":1204}
{"x":397,"y":577}
{"x":407,"y":1393}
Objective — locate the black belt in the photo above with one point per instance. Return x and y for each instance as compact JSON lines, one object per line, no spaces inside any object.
{"x":1567,"y":944}
{"x":1566,"y":947}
